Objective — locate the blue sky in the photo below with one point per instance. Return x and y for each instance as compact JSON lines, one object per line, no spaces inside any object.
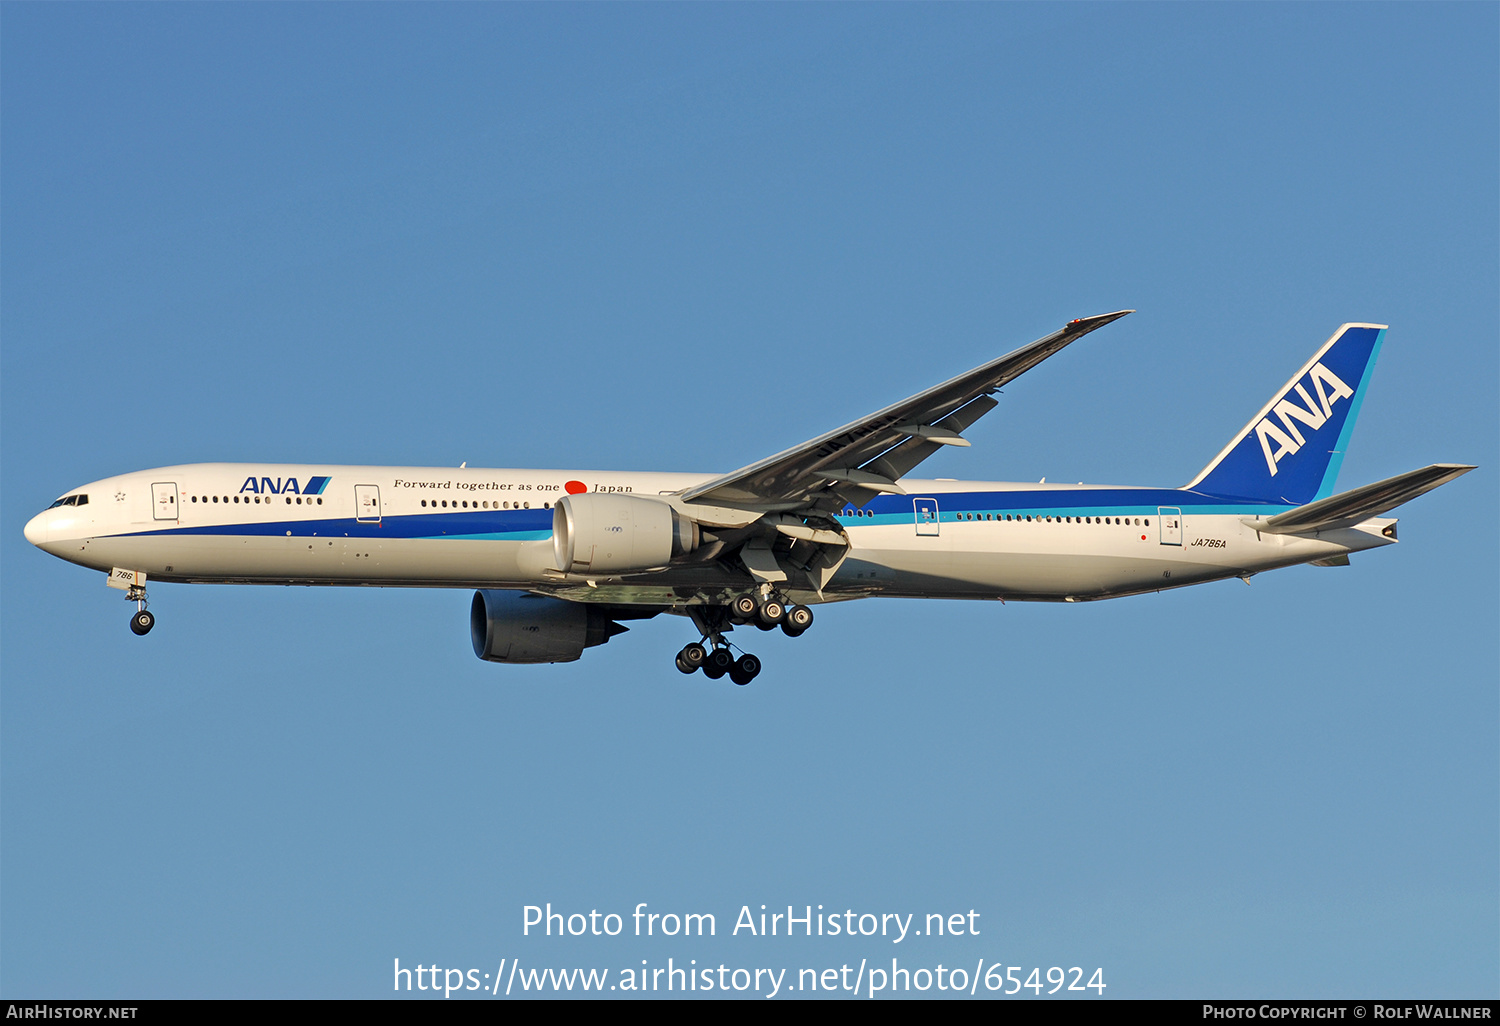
{"x":682,"y":238}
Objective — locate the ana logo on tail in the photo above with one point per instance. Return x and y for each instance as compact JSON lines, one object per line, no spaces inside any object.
{"x":1310,"y":417}
{"x":1330,"y":389}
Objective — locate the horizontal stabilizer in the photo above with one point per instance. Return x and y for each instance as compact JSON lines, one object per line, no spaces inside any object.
{"x":1349,"y":508}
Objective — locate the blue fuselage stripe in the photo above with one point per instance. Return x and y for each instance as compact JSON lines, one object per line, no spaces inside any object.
{"x":536,"y":524}
{"x":515,"y":525}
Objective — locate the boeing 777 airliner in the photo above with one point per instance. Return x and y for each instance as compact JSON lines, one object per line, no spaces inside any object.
{"x":558,"y":557}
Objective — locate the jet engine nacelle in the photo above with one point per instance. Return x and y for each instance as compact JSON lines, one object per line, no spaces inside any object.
{"x":605,"y":534}
{"x":516,"y":627}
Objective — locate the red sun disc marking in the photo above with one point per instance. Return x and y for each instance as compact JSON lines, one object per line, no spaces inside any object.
{"x":575,"y":487}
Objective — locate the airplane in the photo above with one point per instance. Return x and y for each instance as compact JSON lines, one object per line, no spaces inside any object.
{"x":558,"y":558}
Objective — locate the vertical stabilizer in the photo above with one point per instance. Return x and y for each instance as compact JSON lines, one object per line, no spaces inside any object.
{"x":1291,"y":450}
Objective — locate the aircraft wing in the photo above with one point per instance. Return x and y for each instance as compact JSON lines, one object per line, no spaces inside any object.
{"x":1349,"y":508}
{"x":859,"y":460}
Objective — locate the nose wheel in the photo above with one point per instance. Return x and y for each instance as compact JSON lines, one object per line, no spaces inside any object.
{"x":141,"y":621}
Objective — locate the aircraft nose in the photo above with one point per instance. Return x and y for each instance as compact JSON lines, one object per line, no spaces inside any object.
{"x":36,"y":529}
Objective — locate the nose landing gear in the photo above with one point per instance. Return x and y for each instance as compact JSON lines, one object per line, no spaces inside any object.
{"x":141,"y":621}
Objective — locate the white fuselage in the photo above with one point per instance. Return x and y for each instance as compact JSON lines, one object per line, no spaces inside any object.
{"x":473,"y":527}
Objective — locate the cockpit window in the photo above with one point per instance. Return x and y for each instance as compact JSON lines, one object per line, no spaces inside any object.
{"x":71,"y":500}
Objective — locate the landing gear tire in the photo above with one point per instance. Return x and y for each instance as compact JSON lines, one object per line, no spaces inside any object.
{"x":744,"y":608}
{"x":691,"y":657}
{"x":142,"y":621}
{"x":745,"y":669}
{"x":718,"y":663}
{"x":771,"y":613}
{"x":799,"y":619}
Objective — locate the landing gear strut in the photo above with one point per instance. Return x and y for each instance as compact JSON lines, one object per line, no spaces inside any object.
{"x":141,"y":621}
{"x":713,"y":656}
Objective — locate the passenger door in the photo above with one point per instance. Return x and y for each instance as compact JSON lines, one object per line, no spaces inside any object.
{"x":927,"y":516}
{"x":367,"y":504}
{"x":163,"y":500}
{"x":1170,"y":518}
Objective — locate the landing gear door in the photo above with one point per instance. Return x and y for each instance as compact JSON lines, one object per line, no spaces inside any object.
{"x":1170,"y":519}
{"x":367,"y":504}
{"x":163,"y":501}
{"x":927,"y":516}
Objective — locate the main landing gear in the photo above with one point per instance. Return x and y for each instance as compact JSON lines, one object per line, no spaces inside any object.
{"x":715,"y":659}
{"x":141,"y":621}
{"x":770,"y":612}
{"x":717,"y":662}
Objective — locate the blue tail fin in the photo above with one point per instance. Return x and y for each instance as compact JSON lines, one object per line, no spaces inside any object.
{"x":1291,"y":450}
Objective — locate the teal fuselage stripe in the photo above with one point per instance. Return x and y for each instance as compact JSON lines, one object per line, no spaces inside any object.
{"x":952,"y":507}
